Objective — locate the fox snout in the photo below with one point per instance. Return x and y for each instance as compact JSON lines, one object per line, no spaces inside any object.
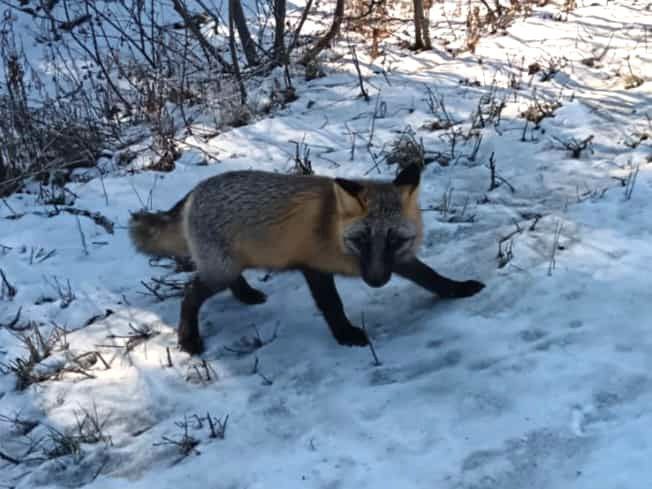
{"x":377,"y":280}
{"x":375,"y":272}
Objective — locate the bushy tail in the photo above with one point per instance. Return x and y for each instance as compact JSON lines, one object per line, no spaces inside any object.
{"x":160,"y":233}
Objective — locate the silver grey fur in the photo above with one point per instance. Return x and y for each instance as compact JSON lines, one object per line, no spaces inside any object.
{"x":225,"y":208}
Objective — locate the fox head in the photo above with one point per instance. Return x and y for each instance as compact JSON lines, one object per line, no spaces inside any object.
{"x":380,"y":222}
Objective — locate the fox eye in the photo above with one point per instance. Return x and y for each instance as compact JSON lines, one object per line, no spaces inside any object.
{"x":361,"y":242}
{"x":396,"y":241}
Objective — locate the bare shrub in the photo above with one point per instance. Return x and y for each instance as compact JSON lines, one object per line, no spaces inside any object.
{"x":186,"y":444}
{"x":406,"y":151}
{"x":59,"y":132}
{"x":88,"y":429}
{"x":113,"y":65}
{"x":372,"y":21}
{"x":575,"y":147}
{"x":484,"y":18}
{"x":38,"y":347}
{"x":539,"y":110}
{"x":631,"y":79}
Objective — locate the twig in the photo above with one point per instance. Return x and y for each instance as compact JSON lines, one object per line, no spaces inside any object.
{"x":74,"y":370}
{"x":9,"y":459}
{"x":256,"y":371}
{"x":101,"y":357}
{"x":495,"y":177}
{"x":169,"y":357}
{"x":7,"y":290}
{"x":438,"y":108}
{"x":66,"y":295}
{"x":377,"y":362}
{"x":631,"y":182}
{"x":41,"y":255}
{"x":11,"y":324}
{"x":6,"y":204}
{"x":297,"y":32}
{"x":375,"y":115}
{"x":247,"y":345}
{"x":207,"y":370}
{"x":524,"y":131}
{"x":512,"y":234}
{"x":96,"y":317}
{"x":98,"y":218}
{"x":142,"y":202}
{"x":176,"y":288}
{"x":535,"y":222}
{"x":555,"y":246}
{"x":106,"y":195}
{"x":356,"y":63}
{"x":220,"y":430}
{"x":505,"y":254}
{"x":150,"y":194}
{"x":353,"y":136}
{"x":139,"y":336}
{"x":83,"y":237}
{"x":302,"y":163}
{"x":153,"y":291}
{"x":492,"y":167}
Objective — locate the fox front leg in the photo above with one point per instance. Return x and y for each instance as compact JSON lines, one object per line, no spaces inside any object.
{"x":421,"y":274}
{"x":322,"y":288}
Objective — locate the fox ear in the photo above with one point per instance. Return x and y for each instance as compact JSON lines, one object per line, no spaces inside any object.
{"x":409,"y":177}
{"x":350,"y":196}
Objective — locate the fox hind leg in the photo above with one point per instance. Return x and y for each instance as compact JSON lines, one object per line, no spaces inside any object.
{"x":195,"y":294}
{"x":201,"y":288}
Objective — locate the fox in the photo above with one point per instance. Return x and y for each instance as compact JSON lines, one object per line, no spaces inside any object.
{"x":320,"y":226}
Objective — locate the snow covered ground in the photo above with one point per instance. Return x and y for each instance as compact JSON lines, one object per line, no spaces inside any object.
{"x":542,"y":380}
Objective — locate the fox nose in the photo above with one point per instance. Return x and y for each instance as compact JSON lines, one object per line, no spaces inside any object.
{"x":377,"y":281}
{"x":376,"y":276}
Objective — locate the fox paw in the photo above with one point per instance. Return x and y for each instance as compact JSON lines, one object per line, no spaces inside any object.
{"x":191,"y":344}
{"x":465,"y":289}
{"x":352,"y":336}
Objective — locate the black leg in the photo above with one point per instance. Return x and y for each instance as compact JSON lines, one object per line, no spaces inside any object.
{"x":322,"y":287}
{"x":245,"y":293}
{"x":421,"y":274}
{"x":195,"y":294}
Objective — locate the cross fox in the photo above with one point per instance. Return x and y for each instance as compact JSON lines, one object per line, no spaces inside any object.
{"x":318,"y":225}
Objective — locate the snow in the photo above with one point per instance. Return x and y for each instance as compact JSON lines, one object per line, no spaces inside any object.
{"x":542,"y":380}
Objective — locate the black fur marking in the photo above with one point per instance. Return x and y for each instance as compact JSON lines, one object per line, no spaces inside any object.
{"x":421,"y":274}
{"x":409,"y":176}
{"x":352,"y":187}
{"x":245,"y":293}
{"x":322,"y":287}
